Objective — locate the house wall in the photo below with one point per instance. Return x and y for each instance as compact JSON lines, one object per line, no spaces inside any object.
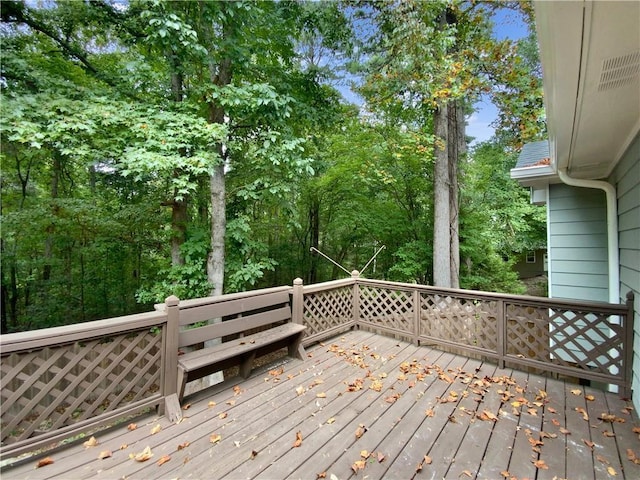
{"x":577,"y":223}
{"x":528,"y":270}
{"x":626,"y":178}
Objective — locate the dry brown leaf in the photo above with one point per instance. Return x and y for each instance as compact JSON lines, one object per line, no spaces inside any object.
{"x":601,"y":459}
{"x":564,"y":431}
{"x":376,"y":385}
{"x":381,"y":457}
{"x":231,"y":403}
{"x":156,"y":429}
{"x":331,"y":420}
{"x":360,"y":431}
{"x":143,"y":456}
{"x":364,"y":454}
{"x":548,"y":435}
{"x":300,"y":390}
{"x":183,"y":445}
{"x":631,"y":455}
{"x":429,"y":412}
{"x":222,"y":415}
{"x":589,"y":443}
{"x":583,"y":412}
{"x":551,"y":410}
{"x":237,"y":390}
{"x":215,"y":438}
{"x":555,"y":421}
{"x":636,"y":430}
{"x":124,"y":446}
{"x":505,"y":473}
{"x":321,"y":475}
{"x":486,"y":415}
{"x":92,"y":442}
{"x":104,"y":454}
{"x":576,"y":392}
{"x":532,"y":411}
{"x":321,"y":395}
{"x":186,"y":406}
{"x":298,"y":441}
{"x":132,"y":426}
{"x":211,"y":404}
{"x":466,"y":473}
{"x":607,"y":433}
{"x":357,"y":466}
{"x":44,"y":462}
{"x":611,"y":471}
{"x":541,"y":465}
{"x":164,"y":459}
{"x":590,"y":398}
{"x":392,"y":398}
{"x":534,"y":442}
{"x":253,"y":455}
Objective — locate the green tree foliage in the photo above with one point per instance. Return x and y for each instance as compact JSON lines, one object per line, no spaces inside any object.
{"x":140,"y":137}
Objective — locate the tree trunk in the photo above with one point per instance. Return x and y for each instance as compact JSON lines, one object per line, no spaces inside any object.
{"x":457,"y":147}
{"x":215,"y":262}
{"x":178,"y":230}
{"x":441,"y":201}
{"x":314,"y":233}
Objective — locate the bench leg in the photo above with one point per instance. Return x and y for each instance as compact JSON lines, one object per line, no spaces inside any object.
{"x":247,"y":365}
{"x":182,"y":381}
{"x":296,"y":349}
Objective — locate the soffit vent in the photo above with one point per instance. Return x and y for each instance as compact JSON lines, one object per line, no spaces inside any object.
{"x":620,"y":71}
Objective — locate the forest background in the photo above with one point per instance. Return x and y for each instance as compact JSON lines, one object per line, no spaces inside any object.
{"x":152,"y":148}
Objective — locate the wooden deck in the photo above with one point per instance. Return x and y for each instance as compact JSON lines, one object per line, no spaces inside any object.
{"x":369,"y":406}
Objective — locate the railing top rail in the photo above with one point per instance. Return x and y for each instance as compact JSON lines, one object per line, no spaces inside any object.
{"x":198,"y":302}
{"x":596,"y":307}
{"x":45,"y":337}
{"x":318,"y":287}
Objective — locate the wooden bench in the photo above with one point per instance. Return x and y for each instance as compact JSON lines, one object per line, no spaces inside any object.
{"x":237,"y":347}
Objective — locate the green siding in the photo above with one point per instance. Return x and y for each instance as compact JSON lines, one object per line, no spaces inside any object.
{"x":626,"y":177}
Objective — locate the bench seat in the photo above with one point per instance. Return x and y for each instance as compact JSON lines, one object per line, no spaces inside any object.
{"x":241,"y":351}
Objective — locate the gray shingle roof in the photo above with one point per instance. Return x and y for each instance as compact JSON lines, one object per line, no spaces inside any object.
{"x":532,"y":153}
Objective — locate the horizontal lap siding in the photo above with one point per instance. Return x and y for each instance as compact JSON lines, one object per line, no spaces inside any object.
{"x":578,"y":243}
{"x":626,"y":177}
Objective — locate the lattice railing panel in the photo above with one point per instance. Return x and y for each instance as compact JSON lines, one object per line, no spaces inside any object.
{"x":327,"y":309}
{"x":471,"y":322}
{"x":527,"y":331}
{"x":586,"y":340}
{"x":387,"y":308}
{"x":49,"y":388}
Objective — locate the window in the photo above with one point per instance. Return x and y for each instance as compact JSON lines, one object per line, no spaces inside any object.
{"x":531,"y":256}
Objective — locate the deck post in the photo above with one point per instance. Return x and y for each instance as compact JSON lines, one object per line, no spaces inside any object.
{"x":501,"y":318}
{"x":628,"y":347}
{"x":297,"y":302}
{"x":356,"y":299}
{"x":171,"y":403}
{"x":416,"y":317}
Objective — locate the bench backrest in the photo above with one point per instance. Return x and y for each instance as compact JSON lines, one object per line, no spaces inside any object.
{"x":238,"y":315}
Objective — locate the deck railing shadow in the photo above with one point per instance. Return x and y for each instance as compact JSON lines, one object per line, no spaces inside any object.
{"x":59,"y":382}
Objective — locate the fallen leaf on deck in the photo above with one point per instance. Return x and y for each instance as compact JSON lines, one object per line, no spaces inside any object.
{"x":211,"y":404}
{"x":253,"y":455}
{"x":551,"y":410}
{"x":331,"y":420}
{"x":556,"y":422}
{"x":582,"y":411}
{"x":104,"y":454}
{"x":132,"y":426}
{"x":627,"y":410}
{"x":487,"y":416}
{"x":532,"y":411}
{"x":237,"y":390}
{"x":360,"y":431}
{"x":376,"y":385}
{"x":186,"y":406}
{"x":231,"y":403}
{"x":590,"y":398}
{"x":143,"y":456}
{"x":392,"y":398}
{"x":601,"y":459}
{"x":505,"y":474}
{"x":632,"y":456}
{"x":541,"y":465}
{"x":357,"y":466}
{"x":298,"y":441}
{"x":564,"y":431}
{"x":275,"y":373}
{"x":636,"y":430}
{"x":124,"y":446}
{"x":611,"y":471}
{"x":364,"y":454}
{"x":92,"y":442}
{"x":381,"y":457}
{"x":300,"y":390}
{"x":321,"y":475}
{"x":156,"y":429}
{"x":548,"y":435}
{"x":215,"y":438}
{"x":183,"y":445}
{"x":222,"y":415}
{"x":429,"y":412}
{"x":534,"y":442}
{"x":576,"y":392}
{"x":44,"y":462}
{"x":425,"y":461}
{"x":321,"y":395}
{"x":467,"y":473}
{"x":607,"y":433}
{"x":589,"y":443}
{"x":164,"y":459}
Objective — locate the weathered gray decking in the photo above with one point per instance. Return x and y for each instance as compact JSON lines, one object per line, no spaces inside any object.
{"x":470,"y":419}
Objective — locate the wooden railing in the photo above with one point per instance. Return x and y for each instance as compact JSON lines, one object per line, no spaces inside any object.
{"x":58,"y":382}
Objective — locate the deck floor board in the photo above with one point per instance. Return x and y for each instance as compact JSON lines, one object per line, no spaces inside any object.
{"x":470,"y":418}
